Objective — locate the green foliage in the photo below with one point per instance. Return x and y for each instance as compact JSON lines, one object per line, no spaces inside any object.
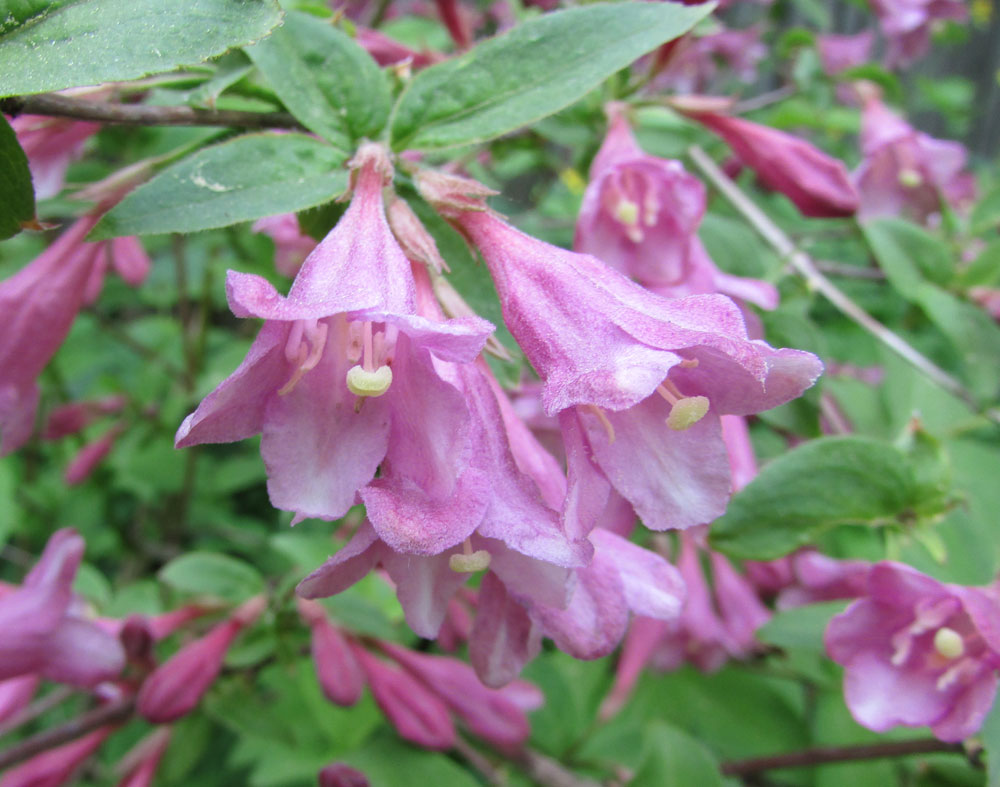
{"x":68,"y":44}
{"x":212,"y":574}
{"x":217,"y":187}
{"x":824,"y":483}
{"x":17,"y":200}
{"x":675,"y":759}
{"x":324,"y":78}
{"x":532,"y":71}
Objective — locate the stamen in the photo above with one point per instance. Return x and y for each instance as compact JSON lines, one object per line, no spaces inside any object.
{"x":949,"y":643}
{"x":650,"y":207}
{"x":362,"y":382}
{"x":469,"y":563}
{"x":910,"y":178}
{"x":368,"y":352}
{"x":305,"y":355}
{"x":685,"y":411}
{"x":604,"y":421}
{"x":689,"y":363}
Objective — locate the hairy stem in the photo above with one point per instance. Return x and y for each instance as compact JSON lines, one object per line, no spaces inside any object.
{"x":54,"y":105}
{"x":825,"y":755}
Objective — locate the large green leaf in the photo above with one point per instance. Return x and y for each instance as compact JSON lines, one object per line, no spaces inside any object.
{"x":675,"y":759}
{"x":212,"y":574}
{"x":324,"y":78}
{"x":532,"y":71}
{"x":824,"y":483}
{"x":91,"y":41}
{"x":246,"y":178}
{"x":17,"y":198}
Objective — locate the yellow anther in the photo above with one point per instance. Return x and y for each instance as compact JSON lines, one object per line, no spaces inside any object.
{"x":361,"y":382}
{"x":910,"y":178}
{"x":627,"y":212}
{"x":949,"y":643}
{"x":469,"y":563}
{"x":687,"y":412}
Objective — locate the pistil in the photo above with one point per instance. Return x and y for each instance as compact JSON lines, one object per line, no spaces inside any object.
{"x":685,"y":411}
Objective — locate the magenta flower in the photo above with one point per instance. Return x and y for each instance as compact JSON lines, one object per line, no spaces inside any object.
{"x":337,"y":670}
{"x":907,"y":24}
{"x":694,"y":63}
{"x":41,"y":633}
{"x":918,"y":652}
{"x":339,"y":774}
{"x":634,"y":375}
{"x":839,"y":52}
{"x":16,"y":694}
{"x":342,"y":379}
{"x":818,"y":184}
{"x":906,"y":172}
{"x":141,"y":763}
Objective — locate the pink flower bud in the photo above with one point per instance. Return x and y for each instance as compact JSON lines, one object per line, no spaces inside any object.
{"x":88,"y":457}
{"x":489,"y":713}
{"x":337,"y":774}
{"x":55,"y":766}
{"x":417,"y":714}
{"x":140,"y":764}
{"x":130,"y":260}
{"x":176,"y":687}
{"x":413,"y":238}
{"x":818,"y":184}
{"x":337,"y":670}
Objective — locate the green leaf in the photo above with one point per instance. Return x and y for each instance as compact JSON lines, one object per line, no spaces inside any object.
{"x":908,"y":254}
{"x":990,"y":735}
{"x":17,"y":197}
{"x":212,"y":574}
{"x":92,"y":41}
{"x":246,"y":178}
{"x":800,"y":628}
{"x":325,"y":79}
{"x":986,"y":213}
{"x":824,"y":483}
{"x":532,"y":71}
{"x":675,"y":759}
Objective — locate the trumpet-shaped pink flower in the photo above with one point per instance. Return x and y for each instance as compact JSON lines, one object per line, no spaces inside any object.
{"x":41,"y":635}
{"x":818,"y":184}
{"x":907,"y":25}
{"x":51,"y":145}
{"x":638,"y":380}
{"x":640,"y":214}
{"x":906,"y":172}
{"x":918,"y":652}
{"x":694,"y":63}
{"x":342,"y":379}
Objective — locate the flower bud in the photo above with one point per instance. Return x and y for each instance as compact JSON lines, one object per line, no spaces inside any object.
{"x":338,"y":774}
{"x":337,"y":670}
{"x":55,"y":766}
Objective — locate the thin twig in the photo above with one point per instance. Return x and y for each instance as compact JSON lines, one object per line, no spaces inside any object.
{"x":54,"y":105}
{"x":547,"y":771}
{"x":804,"y":265}
{"x":112,"y":713}
{"x":763,"y":100}
{"x":41,"y":706}
{"x":825,"y":755}
{"x":479,"y":763}
{"x":849,"y":271}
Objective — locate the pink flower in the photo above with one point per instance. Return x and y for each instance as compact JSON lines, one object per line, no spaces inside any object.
{"x":51,"y":144}
{"x":71,"y":418}
{"x":694,"y":64}
{"x":41,"y":635}
{"x":91,"y":455}
{"x":918,"y":652}
{"x":16,"y":694}
{"x":818,"y":184}
{"x":839,"y":52}
{"x":291,"y":245}
{"x":387,"y":51}
{"x":907,"y":24}
{"x":906,"y":172}
{"x":55,"y":766}
{"x":342,"y":380}
{"x":176,"y":687}
{"x":638,"y":380}
{"x":141,"y":763}
{"x":640,"y":214}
